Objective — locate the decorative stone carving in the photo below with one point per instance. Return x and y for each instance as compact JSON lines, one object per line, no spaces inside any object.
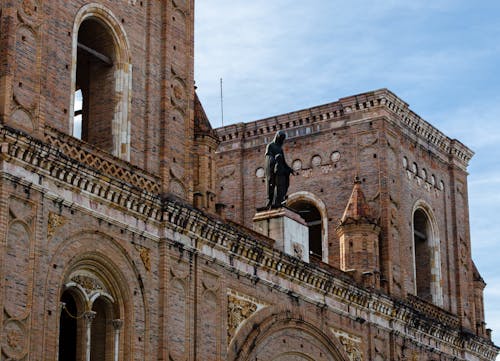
{"x":177,"y":188}
{"x":297,"y":165}
{"x":335,"y":157}
{"x":239,"y":309}
{"x":260,"y":173}
{"x":88,"y":282}
{"x":351,"y":344}
{"x":14,"y":340}
{"x":316,"y":161}
{"x":298,"y":250}
{"x":117,"y":324}
{"x":145,"y":254}
{"x":55,"y":221}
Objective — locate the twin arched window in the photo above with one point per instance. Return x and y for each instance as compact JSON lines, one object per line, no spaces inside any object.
{"x":89,"y":324}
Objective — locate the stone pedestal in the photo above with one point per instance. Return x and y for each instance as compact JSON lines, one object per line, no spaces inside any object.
{"x":287,"y":228}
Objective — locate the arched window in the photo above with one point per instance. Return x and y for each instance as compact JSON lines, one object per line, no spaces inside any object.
{"x":68,"y":328}
{"x":89,"y":324}
{"x":101,"y":82}
{"x":313,"y":211}
{"x":102,"y":331}
{"x":427,"y":264}
{"x":95,"y":80}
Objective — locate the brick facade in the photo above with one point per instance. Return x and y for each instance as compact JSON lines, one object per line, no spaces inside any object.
{"x":133,"y":243}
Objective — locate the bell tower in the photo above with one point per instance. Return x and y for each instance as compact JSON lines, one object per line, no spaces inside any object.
{"x":115,"y":81}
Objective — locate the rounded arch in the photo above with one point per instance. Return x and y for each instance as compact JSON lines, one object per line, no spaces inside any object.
{"x":106,"y":16}
{"x":304,"y":197}
{"x":98,"y":266}
{"x":112,"y":84}
{"x":426,"y":253}
{"x":273,"y":335}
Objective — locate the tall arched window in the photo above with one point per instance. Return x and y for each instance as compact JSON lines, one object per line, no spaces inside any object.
{"x":69,"y":332}
{"x":101,"y":82}
{"x":427,"y":264}
{"x":313,"y":211}
{"x":95,"y":81}
{"x":102,"y":330}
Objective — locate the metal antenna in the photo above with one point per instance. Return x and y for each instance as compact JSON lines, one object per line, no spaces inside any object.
{"x":221,"y":103}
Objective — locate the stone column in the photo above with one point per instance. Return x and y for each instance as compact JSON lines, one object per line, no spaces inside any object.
{"x":88,"y":317}
{"x":117,"y":325}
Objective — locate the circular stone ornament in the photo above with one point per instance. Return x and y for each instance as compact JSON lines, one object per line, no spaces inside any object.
{"x":335,"y":157}
{"x":297,"y":164}
{"x":316,"y":161}
{"x":260,"y":173}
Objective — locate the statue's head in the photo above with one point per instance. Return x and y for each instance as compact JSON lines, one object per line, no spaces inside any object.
{"x":280,"y":137}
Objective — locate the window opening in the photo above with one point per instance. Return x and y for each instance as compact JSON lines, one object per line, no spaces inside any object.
{"x":68,"y":328}
{"x":423,"y":266}
{"x":102,"y":331}
{"x":77,"y":114}
{"x":95,"y":85}
{"x":311,"y":215}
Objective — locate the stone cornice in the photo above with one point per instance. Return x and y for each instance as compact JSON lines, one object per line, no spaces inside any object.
{"x":321,"y":118}
{"x":48,"y":161}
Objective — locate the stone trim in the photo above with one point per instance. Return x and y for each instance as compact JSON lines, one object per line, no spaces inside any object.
{"x":48,"y":161}
{"x":317,"y":119}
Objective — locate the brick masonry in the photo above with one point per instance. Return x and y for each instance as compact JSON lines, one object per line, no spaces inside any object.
{"x":153,"y":233}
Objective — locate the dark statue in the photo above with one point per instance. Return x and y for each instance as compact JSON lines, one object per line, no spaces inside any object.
{"x":277,"y":172}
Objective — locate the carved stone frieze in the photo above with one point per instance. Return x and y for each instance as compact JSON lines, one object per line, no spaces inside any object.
{"x":88,"y":282}
{"x":53,"y":223}
{"x":351,"y":344}
{"x":145,"y":254}
{"x":239,"y":309}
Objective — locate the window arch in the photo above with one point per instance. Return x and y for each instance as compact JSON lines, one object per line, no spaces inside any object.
{"x":89,"y":324}
{"x":313,"y":211}
{"x":101,"y":81}
{"x":426,"y":255}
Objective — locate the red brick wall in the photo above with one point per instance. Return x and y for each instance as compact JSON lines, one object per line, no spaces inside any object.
{"x":372,"y":142}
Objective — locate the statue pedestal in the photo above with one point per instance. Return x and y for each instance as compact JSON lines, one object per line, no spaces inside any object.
{"x":287,"y":228}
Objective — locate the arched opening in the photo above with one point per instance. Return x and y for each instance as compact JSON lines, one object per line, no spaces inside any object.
{"x":311,"y":215}
{"x":312,"y":209}
{"x":101,"y":81}
{"x":282,"y":336}
{"x":95,"y":82}
{"x":90,"y":324}
{"x":102,"y":331}
{"x":422,"y":255}
{"x":71,"y":325}
{"x":427,"y":264}
{"x":68,"y":328}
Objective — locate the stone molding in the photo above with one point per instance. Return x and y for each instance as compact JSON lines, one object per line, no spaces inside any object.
{"x":48,"y":161}
{"x":319,"y":118}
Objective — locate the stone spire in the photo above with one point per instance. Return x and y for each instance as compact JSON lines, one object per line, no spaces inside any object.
{"x":358,"y":234}
{"x":357,"y":211}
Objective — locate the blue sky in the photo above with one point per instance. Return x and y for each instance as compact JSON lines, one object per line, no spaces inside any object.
{"x":440,"y":56}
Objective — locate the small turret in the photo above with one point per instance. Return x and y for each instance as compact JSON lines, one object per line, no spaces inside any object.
{"x":358,"y":232}
{"x":206,"y":142}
